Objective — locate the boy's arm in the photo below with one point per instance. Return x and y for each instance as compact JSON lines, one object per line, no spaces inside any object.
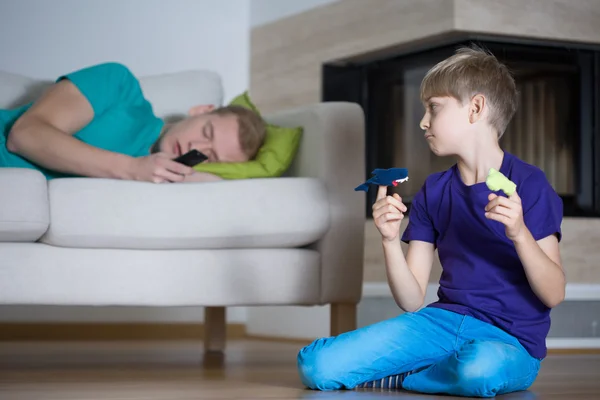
{"x":408,"y":276}
{"x":543,"y":267}
{"x":540,"y":259}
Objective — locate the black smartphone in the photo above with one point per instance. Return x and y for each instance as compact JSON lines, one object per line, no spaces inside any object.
{"x":191,"y":158}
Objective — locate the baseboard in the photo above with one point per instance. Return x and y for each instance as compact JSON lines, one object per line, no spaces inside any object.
{"x":573,"y":351}
{"x":110,"y":331}
{"x":573,"y":292}
{"x":584,"y":344}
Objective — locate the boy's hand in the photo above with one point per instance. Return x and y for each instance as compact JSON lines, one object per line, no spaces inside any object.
{"x":388,"y":212}
{"x":509,"y":212}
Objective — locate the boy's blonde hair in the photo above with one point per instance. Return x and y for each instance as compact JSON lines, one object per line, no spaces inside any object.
{"x":472,"y":71}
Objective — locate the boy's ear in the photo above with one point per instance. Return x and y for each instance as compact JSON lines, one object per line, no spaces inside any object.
{"x":476,"y":108}
{"x":200,"y":109}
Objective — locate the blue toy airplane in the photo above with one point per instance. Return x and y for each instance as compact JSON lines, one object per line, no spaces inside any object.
{"x":385,"y":177}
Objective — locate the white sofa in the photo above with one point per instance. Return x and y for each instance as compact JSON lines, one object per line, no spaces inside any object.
{"x":292,"y":240}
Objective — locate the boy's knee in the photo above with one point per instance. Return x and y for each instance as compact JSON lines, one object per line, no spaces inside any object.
{"x":477,"y":381}
{"x":480,"y":374}
{"x":318,"y":371}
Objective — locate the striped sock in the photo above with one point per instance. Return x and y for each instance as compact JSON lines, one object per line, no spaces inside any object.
{"x":389,"y":382}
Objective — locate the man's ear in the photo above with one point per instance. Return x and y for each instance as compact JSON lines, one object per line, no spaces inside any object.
{"x":200,"y":109}
{"x":476,"y":108}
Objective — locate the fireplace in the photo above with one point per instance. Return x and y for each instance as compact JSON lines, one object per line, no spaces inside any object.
{"x":556,"y":128}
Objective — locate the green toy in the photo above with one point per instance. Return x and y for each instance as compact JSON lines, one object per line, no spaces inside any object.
{"x":497,"y":181}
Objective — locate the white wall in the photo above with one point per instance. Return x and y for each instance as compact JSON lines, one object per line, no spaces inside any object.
{"x":45,"y":38}
{"x":265,"y":11}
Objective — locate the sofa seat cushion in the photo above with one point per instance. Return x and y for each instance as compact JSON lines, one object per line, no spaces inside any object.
{"x":24,"y":214}
{"x":253,"y":213}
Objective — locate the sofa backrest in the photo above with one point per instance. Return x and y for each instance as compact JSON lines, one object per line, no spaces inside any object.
{"x":16,"y":90}
{"x":171,"y":95}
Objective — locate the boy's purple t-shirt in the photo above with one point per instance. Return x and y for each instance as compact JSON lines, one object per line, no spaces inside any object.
{"x":482,"y":275}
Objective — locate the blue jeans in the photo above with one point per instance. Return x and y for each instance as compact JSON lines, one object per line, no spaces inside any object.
{"x":451,"y":354}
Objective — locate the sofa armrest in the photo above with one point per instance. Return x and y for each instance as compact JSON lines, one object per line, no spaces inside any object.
{"x":333,"y":150}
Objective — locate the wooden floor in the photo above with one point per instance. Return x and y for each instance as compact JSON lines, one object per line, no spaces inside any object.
{"x":250,"y":370}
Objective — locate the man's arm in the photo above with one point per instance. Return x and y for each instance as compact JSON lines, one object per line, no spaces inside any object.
{"x":543,"y":267}
{"x":44,"y":135}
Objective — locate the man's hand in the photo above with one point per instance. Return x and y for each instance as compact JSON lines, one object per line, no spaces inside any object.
{"x":158,"y":168}
{"x":509,"y":212}
{"x":197,"y":176}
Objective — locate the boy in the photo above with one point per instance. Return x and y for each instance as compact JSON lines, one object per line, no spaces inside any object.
{"x":501,"y":263}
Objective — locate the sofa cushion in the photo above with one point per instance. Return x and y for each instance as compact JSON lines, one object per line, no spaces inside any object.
{"x":24,"y":214}
{"x":102,"y":213}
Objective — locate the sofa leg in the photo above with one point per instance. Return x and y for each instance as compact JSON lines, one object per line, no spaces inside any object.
{"x":215,"y":329}
{"x":343,"y":318}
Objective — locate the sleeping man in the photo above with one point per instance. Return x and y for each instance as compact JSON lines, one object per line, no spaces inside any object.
{"x":95,"y":122}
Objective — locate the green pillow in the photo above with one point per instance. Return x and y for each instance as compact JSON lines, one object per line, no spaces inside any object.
{"x":273,"y":158}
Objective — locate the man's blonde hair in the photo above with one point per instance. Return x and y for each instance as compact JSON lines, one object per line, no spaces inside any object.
{"x":252,"y":128}
{"x":471,"y":71}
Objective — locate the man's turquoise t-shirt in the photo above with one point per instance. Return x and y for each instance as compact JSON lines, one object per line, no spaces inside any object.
{"x":123,"y":121}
